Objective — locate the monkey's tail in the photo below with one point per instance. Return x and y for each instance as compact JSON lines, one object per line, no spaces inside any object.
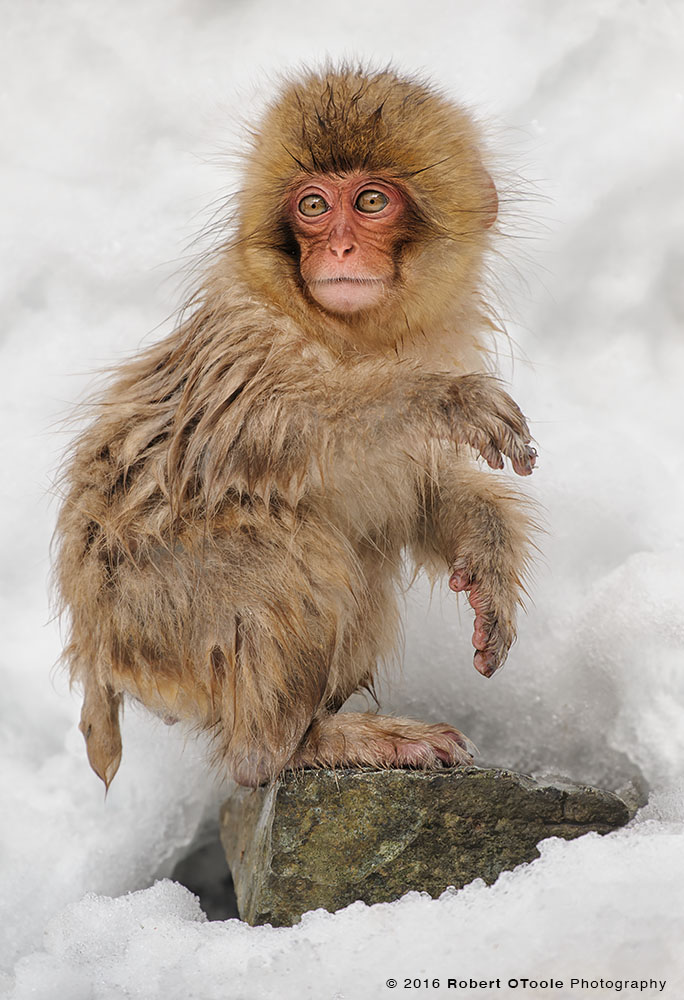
{"x":100,"y":727}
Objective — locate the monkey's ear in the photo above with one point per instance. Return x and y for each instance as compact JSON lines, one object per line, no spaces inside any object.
{"x":490,"y":203}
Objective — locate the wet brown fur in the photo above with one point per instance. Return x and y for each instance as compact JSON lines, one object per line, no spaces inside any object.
{"x":231,"y":537}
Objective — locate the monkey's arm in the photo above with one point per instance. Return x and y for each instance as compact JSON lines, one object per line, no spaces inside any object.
{"x":291,"y":418}
{"x":480,"y":527}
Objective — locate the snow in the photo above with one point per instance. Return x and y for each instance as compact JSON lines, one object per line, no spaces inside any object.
{"x":116,"y":122}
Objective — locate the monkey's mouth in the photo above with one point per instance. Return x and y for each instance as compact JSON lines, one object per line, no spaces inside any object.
{"x":352,"y":281}
{"x":347,"y":294}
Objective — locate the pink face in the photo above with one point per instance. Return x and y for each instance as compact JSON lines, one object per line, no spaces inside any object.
{"x":346,"y":228}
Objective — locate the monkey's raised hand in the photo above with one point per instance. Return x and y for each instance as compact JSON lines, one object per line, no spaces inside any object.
{"x":485,"y":417}
{"x":494,"y":630}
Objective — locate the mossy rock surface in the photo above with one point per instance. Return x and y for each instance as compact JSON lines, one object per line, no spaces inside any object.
{"x":327,"y":838}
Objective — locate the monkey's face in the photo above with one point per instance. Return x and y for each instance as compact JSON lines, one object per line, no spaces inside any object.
{"x":348,"y":228}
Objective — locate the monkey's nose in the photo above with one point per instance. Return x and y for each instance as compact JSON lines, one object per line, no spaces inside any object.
{"x":341,"y":244}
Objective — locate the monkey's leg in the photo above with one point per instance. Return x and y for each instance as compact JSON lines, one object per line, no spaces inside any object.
{"x":296,"y":592}
{"x":482,"y":528}
{"x":294,"y":664}
{"x":100,"y":727}
{"x":272,"y":699}
{"x":358,"y":739}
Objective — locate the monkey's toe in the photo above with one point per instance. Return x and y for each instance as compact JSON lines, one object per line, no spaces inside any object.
{"x":462,"y":753}
{"x":251,"y":770}
{"x":443,"y":745}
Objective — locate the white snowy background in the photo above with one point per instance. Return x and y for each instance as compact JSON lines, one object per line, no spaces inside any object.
{"x":117,"y":119}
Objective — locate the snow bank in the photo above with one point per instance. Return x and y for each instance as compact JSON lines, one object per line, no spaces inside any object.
{"x":106,"y":108}
{"x":158,"y":943}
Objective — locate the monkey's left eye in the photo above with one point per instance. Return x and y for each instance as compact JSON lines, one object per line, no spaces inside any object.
{"x":313,"y":204}
{"x":371,"y":201}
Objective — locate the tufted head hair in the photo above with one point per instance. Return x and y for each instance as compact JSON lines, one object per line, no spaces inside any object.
{"x":342,"y":121}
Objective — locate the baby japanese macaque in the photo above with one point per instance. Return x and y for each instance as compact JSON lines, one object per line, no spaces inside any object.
{"x":237,"y":516}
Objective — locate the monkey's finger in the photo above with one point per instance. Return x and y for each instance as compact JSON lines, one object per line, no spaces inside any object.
{"x":491,"y":642}
{"x":491,"y":645}
{"x":492,"y":456}
{"x":515,"y":446}
{"x":481,"y":634}
{"x":501,"y":438}
{"x":515,"y":440}
{"x":525,"y":466}
{"x":460,"y":580}
{"x":488,"y":443}
{"x":491,"y":422}
{"x":485,"y":662}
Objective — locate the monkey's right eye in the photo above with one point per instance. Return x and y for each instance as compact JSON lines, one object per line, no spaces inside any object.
{"x":313,"y":204}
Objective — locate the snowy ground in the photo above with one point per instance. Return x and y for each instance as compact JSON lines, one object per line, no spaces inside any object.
{"x":116,"y":117}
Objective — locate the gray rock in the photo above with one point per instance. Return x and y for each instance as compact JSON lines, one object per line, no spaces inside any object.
{"x":327,"y":838}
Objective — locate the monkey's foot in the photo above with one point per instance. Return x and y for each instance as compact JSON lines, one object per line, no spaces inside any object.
{"x":359,"y":739}
{"x":494,"y":631}
{"x":492,"y":423}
